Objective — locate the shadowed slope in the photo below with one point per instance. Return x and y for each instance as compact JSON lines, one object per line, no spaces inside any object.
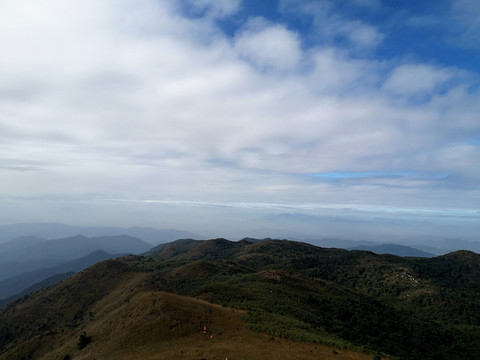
{"x":14,"y":285}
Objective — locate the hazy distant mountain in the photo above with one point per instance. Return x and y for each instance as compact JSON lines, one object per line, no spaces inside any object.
{"x":19,"y":243}
{"x":76,"y":246}
{"x":430,"y":247}
{"x":57,"y":231}
{"x":324,"y":242}
{"x":15,"y":284}
{"x":158,"y":236}
{"x":340,"y":243}
{"x":394,"y":249}
{"x":455,"y":244}
{"x":49,"y":253}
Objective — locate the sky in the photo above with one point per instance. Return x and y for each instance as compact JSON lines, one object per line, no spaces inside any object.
{"x":294,"y":118}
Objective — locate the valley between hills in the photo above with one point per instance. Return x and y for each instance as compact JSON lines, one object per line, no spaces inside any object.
{"x":274,"y":299}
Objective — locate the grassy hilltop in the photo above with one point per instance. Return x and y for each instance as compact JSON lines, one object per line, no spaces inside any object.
{"x":265,"y":300}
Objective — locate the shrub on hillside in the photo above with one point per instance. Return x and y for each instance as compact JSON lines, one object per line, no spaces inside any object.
{"x":84,"y":340}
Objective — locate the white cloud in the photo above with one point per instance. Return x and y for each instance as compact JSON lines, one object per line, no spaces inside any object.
{"x":268,"y":46}
{"x":417,"y":80}
{"x":335,"y":72}
{"x":460,"y":158}
{"x":361,"y":36}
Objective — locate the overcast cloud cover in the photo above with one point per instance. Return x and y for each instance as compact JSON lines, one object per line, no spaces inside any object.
{"x":356,"y":118}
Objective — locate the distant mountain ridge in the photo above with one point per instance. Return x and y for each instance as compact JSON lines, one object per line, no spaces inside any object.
{"x":395,"y":249}
{"x":76,"y":246}
{"x":19,"y":243}
{"x":34,"y":253}
{"x":156,"y":236}
{"x":58,"y":230}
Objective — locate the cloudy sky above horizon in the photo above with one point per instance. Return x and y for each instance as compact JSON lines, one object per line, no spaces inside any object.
{"x":224,"y":116}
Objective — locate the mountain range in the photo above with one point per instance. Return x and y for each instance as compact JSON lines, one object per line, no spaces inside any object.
{"x":154,"y":236}
{"x":271,"y":299}
{"x":58,"y":231}
{"x":26,"y":254}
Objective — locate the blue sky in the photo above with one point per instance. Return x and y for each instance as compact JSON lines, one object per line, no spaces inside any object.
{"x":424,"y":31}
{"x":221,"y":116}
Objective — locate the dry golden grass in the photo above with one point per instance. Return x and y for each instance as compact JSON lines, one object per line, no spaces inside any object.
{"x":158,"y":325}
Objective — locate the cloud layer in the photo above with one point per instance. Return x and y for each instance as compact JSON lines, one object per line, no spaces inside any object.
{"x":154,"y":103}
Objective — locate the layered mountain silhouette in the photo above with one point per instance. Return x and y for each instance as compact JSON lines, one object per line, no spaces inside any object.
{"x":16,"y":284}
{"x":31,"y":254}
{"x":58,"y":231}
